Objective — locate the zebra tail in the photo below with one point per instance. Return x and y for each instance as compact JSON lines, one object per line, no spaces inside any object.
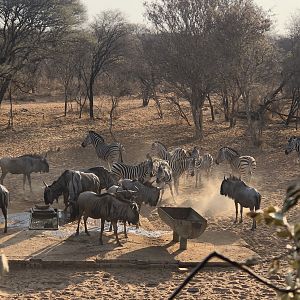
{"x":258,"y":201}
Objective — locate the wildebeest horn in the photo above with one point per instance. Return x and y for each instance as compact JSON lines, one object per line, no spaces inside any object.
{"x":45,"y":183}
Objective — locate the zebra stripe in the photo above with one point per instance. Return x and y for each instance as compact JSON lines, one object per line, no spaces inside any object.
{"x":110,"y":153}
{"x":4,"y":199}
{"x":136,"y":172}
{"x":160,"y":150}
{"x":240,"y":165}
{"x":293,"y":145}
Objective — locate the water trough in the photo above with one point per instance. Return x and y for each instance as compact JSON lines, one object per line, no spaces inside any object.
{"x":185,"y":222}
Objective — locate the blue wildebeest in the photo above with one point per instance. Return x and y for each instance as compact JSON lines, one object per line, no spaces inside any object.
{"x":242,"y":194}
{"x":4,"y":199}
{"x":25,"y":164}
{"x":107,"y":208}
{"x":70,"y":184}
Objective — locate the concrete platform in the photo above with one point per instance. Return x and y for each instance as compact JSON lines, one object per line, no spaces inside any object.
{"x":37,"y":248}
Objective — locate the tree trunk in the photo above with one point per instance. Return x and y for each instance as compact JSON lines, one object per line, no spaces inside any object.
{"x":212,"y":113}
{"x":198,"y":121}
{"x":91,"y":100}
{"x":3,"y":88}
{"x":66,"y":102}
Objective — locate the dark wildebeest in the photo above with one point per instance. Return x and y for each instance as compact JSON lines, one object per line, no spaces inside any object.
{"x":107,"y":208}
{"x":4,"y":199}
{"x":70,"y":184}
{"x":242,"y":194}
{"x":25,"y":164}
{"x":107,"y":179}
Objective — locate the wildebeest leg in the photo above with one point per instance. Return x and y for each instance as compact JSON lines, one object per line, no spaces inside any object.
{"x":236,"y":211}
{"x":125,"y":232}
{"x":79,"y":219}
{"x":241,"y":210}
{"x":253,"y":221}
{"x":24,"y":180}
{"x":101,"y":231}
{"x":4,"y":211}
{"x":85,"y":227}
{"x":115,"y":226}
{"x":110,"y":227}
{"x":29,"y":181}
{"x":3,"y":176}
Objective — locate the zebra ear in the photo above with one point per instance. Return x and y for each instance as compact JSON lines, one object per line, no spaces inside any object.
{"x":45,"y":184}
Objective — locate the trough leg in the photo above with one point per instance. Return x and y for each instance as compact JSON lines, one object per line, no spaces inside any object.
{"x":183,"y":243}
{"x":175,"y":237}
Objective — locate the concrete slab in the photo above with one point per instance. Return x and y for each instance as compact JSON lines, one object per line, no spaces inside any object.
{"x":62,"y":247}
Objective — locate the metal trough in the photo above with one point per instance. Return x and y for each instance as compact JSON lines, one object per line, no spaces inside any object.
{"x":185,"y":222}
{"x":43,"y":218}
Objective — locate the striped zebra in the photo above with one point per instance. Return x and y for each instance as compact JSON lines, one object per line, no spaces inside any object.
{"x":159,"y":150}
{"x":180,"y":162}
{"x":164,"y":176}
{"x":4,"y":199}
{"x":110,"y":153}
{"x":293,"y":145}
{"x":140,"y":172}
{"x":242,"y":166}
{"x":203,"y":164}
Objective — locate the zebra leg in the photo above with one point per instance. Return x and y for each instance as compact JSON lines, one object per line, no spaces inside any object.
{"x":241,"y":210}
{"x":236,"y":211}
{"x":85,"y":227}
{"x":115,"y":226}
{"x":4,"y":211}
{"x":29,"y":181}
{"x":171,"y":190}
{"x":101,"y":231}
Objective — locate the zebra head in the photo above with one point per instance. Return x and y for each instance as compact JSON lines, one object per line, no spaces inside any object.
{"x":92,"y":138}
{"x":221,"y":156}
{"x":191,"y":166}
{"x":293,"y":144}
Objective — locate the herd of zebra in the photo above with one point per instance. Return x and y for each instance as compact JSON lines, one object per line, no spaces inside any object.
{"x":168,"y":166}
{"x":148,"y":179}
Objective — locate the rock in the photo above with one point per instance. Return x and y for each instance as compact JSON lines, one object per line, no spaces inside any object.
{"x":193,"y":290}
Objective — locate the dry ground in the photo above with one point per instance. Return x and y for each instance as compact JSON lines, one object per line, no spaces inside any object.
{"x":41,"y":127}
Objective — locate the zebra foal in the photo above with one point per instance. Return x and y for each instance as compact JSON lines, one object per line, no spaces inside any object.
{"x":242,"y":166}
{"x":109,"y":153}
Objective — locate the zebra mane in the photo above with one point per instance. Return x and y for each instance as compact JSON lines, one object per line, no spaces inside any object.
{"x":163,"y":145}
{"x":97,"y":134}
{"x":231,"y":149}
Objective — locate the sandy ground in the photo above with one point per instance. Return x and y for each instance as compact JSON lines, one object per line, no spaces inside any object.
{"x":41,"y":128}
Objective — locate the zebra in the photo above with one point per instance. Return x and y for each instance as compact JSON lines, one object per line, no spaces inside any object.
{"x":160,"y":150}
{"x":164,"y":176}
{"x":110,"y":153}
{"x":293,"y":144}
{"x":4,"y":199}
{"x":180,"y":162}
{"x":138,"y":172}
{"x":242,"y":166}
{"x":203,"y":163}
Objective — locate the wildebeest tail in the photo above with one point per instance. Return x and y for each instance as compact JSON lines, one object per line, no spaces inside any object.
{"x":258,"y":201}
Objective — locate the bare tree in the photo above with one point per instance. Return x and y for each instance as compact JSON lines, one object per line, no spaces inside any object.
{"x":183,"y":50}
{"x":104,"y":47}
{"x":29,"y":29}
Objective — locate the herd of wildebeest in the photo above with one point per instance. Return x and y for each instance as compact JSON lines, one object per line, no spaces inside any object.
{"x":127,"y":187}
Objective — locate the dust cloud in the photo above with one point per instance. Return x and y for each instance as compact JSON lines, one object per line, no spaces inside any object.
{"x":206,"y":199}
